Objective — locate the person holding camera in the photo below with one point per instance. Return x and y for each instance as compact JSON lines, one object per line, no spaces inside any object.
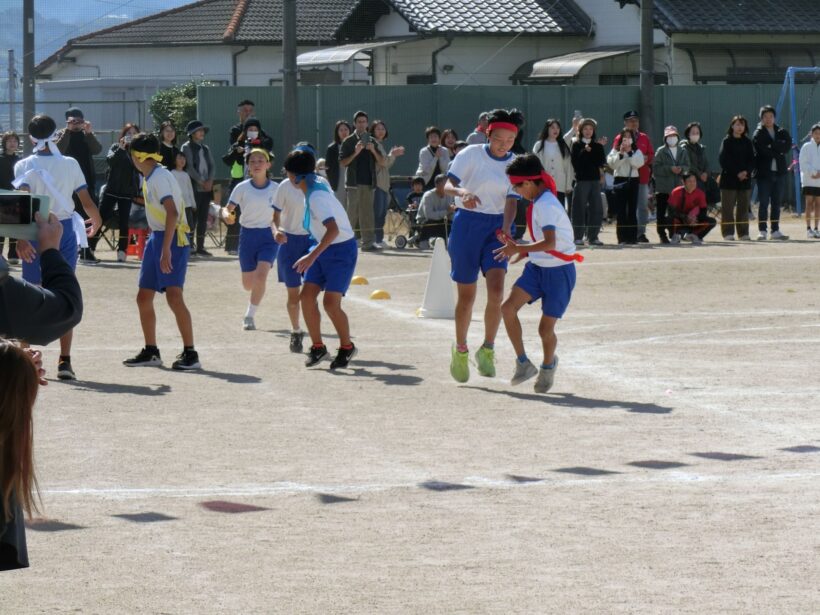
{"x":357,"y":155}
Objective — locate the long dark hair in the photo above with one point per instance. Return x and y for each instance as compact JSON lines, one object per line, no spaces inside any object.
{"x":545,"y":133}
{"x":738,"y":118}
{"x":336,"y":138}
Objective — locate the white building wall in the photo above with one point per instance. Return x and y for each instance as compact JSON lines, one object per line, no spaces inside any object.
{"x":614,"y":25}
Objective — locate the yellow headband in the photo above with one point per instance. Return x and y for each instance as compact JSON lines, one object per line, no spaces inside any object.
{"x":143,"y":156}
{"x":259,"y":150}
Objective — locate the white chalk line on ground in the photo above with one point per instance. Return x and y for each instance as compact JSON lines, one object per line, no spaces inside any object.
{"x":665,"y":477}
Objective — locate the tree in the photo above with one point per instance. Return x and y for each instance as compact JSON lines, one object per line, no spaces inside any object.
{"x":177,"y":103}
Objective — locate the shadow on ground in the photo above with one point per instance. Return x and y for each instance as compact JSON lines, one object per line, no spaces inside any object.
{"x":570,"y":400}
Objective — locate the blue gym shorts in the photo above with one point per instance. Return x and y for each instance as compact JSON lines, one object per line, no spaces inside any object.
{"x":151,"y":277}
{"x":333,"y":270}
{"x":290,"y":252}
{"x":68,"y":248}
{"x":553,"y":285}
{"x":256,"y":245}
{"x":471,"y":244}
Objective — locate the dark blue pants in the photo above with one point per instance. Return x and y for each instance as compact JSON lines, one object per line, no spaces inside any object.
{"x":770,"y":189}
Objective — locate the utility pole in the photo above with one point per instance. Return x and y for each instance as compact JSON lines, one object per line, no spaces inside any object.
{"x":12,"y":88}
{"x":290,"y":95}
{"x":28,"y":64}
{"x":647,"y":69}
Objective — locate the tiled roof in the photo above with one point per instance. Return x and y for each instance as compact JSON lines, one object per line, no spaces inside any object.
{"x":495,"y":16}
{"x":737,"y":16}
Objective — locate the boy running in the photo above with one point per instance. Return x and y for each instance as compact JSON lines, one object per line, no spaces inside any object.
{"x":165,"y":260}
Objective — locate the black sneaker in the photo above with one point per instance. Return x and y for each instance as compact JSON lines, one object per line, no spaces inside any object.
{"x":203,"y":252}
{"x":188,"y":360}
{"x":145,"y":358}
{"x":643,"y":239}
{"x":64,"y":371}
{"x":296,"y":341}
{"x":344,"y":356}
{"x":664,"y":239}
{"x":315,"y":355}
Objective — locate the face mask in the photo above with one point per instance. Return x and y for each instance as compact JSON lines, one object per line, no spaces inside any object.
{"x":672,"y":141}
{"x":252,"y":134}
{"x":128,"y":138}
{"x":694,"y":138}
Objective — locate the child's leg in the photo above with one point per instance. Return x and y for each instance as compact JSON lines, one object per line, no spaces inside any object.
{"x":464,"y":311}
{"x":173,"y":295}
{"x":492,"y":312}
{"x":65,"y":344}
{"x":546,"y":329}
{"x":517,"y":299}
{"x":333,"y":307}
{"x":248,"y":279}
{"x":148,"y":318}
{"x":260,"y":279}
{"x":310,"y":311}
{"x":293,"y":306}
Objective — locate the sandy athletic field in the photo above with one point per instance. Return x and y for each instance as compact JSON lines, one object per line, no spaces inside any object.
{"x":675,"y":467}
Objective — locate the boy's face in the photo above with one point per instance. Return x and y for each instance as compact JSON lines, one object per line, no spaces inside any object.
{"x":768,"y":119}
{"x":527,"y":190}
{"x":418,"y":187}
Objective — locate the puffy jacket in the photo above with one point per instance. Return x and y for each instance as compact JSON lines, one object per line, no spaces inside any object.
{"x":122,"y":179}
{"x":698,"y":161}
{"x":736,"y":155}
{"x":810,"y":164}
{"x":665,"y":179}
{"x":768,"y":149}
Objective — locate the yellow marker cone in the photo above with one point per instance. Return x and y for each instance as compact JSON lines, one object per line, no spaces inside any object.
{"x":359,"y":280}
{"x":380,"y":295}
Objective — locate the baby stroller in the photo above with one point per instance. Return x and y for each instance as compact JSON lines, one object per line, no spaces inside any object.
{"x":400,"y":222}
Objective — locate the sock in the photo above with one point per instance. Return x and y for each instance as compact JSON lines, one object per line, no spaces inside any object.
{"x":297,"y":330}
{"x":550,"y":366}
{"x":251,"y":311}
{"x":489,"y":345}
{"x":461,"y":347}
{"x":523,"y":358}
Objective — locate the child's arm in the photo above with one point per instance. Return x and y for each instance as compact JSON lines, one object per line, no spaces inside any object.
{"x":278,"y":234}
{"x":171,"y":219}
{"x":511,"y":248}
{"x":91,"y":211}
{"x":332,"y":231}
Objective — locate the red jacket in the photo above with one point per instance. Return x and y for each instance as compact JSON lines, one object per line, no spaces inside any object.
{"x":689,"y":203}
{"x":643,"y":144}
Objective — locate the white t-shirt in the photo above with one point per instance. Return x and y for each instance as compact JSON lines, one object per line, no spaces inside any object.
{"x":66,"y":177}
{"x":256,"y":203}
{"x":548,"y":214}
{"x":187,"y":188}
{"x":290,"y":202}
{"x":158,"y":186}
{"x":479,"y":172}
{"x":325,"y":206}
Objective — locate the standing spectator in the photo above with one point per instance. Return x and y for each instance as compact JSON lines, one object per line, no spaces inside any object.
{"x":641,"y":140}
{"x":772,"y":143}
{"x":433,"y":158}
{"x":556,"y":158}
{"x":449,"y":138}
{"x":626,"y":159}
{"x":333,"y":169}
{"x":737,"y":163}
{"x":10,"y":143}
{"x":435,"y":207}
{"x":384,"y":161}
{"x":670,"y":165}
{"x":122,"y":186}
{"x":200,"y":166}
{"x":479,"y":135}
{"x":168,"y":144}
{"x":79,"y":142}
{"x":357,"y":155}
{"x":688,"y":212}
{"x":810,"y":179}
{"x":187,"y":190}
{"x":245,"y":109}
{"x":699,"y":162}
{"x":588,"y":161}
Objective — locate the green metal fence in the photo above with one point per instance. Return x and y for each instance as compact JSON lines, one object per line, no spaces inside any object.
{"x":407,"y":110}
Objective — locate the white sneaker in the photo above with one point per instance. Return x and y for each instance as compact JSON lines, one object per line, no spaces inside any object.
{"x":778,"y":235}
{"x":523,"y":371}
{"x":761,"y":236}
{"x":121,"y":256}
{"x":810,"y":234}
{"x":729,"y":238}
{"x":696,"y":240}
{"x":745,"y":238}
{"x":816,"y":234}
{"x":248,"y":324}
{"x":690,"y":237}
{"x":545,"y":378}
{"x":674,"y":239}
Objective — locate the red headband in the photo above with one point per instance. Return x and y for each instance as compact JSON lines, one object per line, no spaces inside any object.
{"x":545,"y":177}
{"x":505,"y":125}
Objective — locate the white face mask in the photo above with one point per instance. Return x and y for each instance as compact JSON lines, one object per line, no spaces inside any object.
{"x":671,"y":141}
{"x":694,"y":138}
{"x":252,"y":134}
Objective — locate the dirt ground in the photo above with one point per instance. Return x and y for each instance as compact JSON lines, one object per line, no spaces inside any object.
{"x":673,"y":469}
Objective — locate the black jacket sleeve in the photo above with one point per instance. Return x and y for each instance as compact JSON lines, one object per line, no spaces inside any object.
{"x":41,"y":315}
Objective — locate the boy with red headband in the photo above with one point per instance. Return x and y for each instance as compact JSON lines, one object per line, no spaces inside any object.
{"x":550,"y":273}
{"x":485,"y":204}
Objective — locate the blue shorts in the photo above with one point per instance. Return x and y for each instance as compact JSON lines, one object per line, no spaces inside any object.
{"x":256,"y":245}
{"x":151,"y":277}
{"x":295,"y":248}
{"x":333,"y":270}
{"x":68,"y":248}
{"x":471,"y":244}
{"x":553,"y":285}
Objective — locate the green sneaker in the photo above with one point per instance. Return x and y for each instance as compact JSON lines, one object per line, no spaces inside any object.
{"x":460,"y":366}
{"x":485,"y":357}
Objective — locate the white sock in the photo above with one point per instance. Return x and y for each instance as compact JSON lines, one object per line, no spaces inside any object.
{"x":297,"y":329}
{"x":251,"y":312}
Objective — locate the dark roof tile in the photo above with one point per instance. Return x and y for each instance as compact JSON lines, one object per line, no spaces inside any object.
{"x":738,"y":16}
